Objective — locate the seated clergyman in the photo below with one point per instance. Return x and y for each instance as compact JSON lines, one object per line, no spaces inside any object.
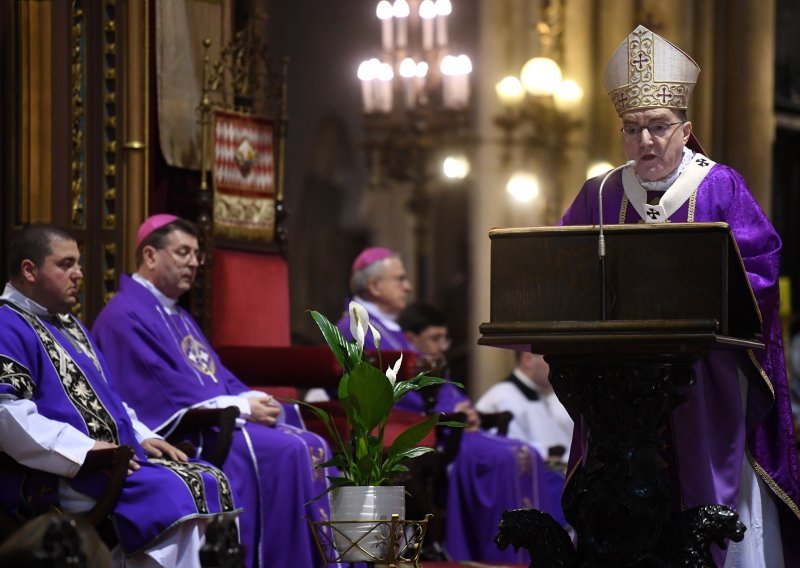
{"x":57,"y":403}
{"x":158,"y":353}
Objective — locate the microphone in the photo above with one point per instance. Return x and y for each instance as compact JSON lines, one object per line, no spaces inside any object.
{"x":601,"y":242}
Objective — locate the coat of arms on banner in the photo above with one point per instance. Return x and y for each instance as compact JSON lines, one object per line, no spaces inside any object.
{"x":244,"y":177}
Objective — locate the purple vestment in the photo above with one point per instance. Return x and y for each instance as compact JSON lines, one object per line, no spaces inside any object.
{"x":53,"y":363}
{"x":490,"y":474}
{"x":711,"y":431}
{"x":165,"y":366}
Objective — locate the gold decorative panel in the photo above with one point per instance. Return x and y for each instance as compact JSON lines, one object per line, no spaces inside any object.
{"x":36,"y":121}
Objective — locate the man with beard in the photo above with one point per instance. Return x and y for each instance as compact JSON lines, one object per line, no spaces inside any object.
{"x":57,"y":403}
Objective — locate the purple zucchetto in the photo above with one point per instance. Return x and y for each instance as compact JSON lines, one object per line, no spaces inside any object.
{"x":370,"y":256}
{"x":151,"y":224}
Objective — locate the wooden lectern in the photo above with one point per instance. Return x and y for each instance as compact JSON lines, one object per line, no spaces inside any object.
{"x":671,"y":292}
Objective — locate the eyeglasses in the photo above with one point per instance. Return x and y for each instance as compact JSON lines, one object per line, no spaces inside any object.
{"x":656,"y":129}
{"x":184,"y":255}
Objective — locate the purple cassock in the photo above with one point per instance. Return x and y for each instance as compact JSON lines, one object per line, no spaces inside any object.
{"x":490,"y":474}
{"x":51,"y":362}
{"x":163,"y":367}
{"x":714,"y":430}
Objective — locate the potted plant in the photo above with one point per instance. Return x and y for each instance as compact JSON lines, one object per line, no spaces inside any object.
{"x":363,"y":490}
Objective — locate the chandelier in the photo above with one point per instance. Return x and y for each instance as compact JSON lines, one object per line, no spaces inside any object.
{"x":416,"y":100}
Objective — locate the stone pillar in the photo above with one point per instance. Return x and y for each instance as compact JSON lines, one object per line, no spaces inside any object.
{"x":577,"y":65}
{"x":614,"y":21}
{"x":487,"y":208}
{"x":745,"y":124}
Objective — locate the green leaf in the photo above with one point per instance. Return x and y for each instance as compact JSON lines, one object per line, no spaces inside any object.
{"x":420,"y":381}
{"x":338,"y":461}
{"x":452,"y":424}
{"x":345,"y":351}
{"x":341,"y":449}
{"x":340,"y":481}
{"x":344,"y":399}
{"x":413,"y":453}
{"x":370,"y":393}
{"x":413,"y":435}
{"x":365,"y":470}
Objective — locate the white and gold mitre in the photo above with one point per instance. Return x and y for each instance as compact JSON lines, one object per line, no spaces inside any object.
{"x":647,"y":71}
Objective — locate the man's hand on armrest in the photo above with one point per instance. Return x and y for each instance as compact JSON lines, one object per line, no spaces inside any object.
{"x":100,"y":445}
{"x":159,"y":448}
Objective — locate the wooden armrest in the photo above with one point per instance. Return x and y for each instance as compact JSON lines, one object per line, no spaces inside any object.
{"x":199,"y":419}
{"x":113,"y":462}
{"x":499,"y":420}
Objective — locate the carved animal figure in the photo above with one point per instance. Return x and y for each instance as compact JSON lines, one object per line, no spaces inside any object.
{"x":547,"y":541}
{"x":694,"y":530}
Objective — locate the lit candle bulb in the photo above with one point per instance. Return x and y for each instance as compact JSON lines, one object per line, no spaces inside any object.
{"x":448,"y":67}
{"x":384,"y":83}
{"x":427,"y":12}
{"x":384,"y":12}
{"x":443,"y":9}
{"x":366,"y":74}
{"x":400,"y":11}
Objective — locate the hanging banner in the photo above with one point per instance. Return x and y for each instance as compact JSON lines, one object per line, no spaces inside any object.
{"x":244,"y":177}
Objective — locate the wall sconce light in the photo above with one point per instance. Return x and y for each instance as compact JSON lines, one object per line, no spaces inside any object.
{"x":538,"y":106}
{"x":598,"y":168}
{"x":456,"y":167}
{"x":523,"y":186}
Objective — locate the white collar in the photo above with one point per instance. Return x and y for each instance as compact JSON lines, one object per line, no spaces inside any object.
{"x":388,"y":320}
{"x":675,"y":196}
{"x":18,"y":298}
{"x":168,"y":303}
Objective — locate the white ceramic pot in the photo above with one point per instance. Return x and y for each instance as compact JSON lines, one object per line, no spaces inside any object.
{"x":368,"y":504}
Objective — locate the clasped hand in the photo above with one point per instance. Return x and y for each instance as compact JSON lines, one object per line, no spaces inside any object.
{"x":264,"y":410}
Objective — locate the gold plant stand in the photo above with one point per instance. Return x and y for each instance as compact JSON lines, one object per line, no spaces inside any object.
{"x":400,"y":542}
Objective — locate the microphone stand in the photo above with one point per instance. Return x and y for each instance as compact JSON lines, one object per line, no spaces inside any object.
{"x":601,"y":242}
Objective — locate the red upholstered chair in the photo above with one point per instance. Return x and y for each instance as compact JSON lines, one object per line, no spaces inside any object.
{"x":250,"y":332}
{"x":250,"y":303}
{"x":250,"y":326}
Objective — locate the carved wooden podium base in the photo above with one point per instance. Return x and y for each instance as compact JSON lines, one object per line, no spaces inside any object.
{"x":619,"y":501}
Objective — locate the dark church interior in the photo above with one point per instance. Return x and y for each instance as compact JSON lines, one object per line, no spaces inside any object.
{"x":537,"y":262}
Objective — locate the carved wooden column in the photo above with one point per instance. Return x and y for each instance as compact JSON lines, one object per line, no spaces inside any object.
{"x":36,"y":119}
{"x":136,"y":55}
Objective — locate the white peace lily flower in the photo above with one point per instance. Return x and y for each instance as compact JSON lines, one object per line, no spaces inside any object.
{"x":391,"y":372}
{"x":359,"y":323}
{"x":376,"y":337}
